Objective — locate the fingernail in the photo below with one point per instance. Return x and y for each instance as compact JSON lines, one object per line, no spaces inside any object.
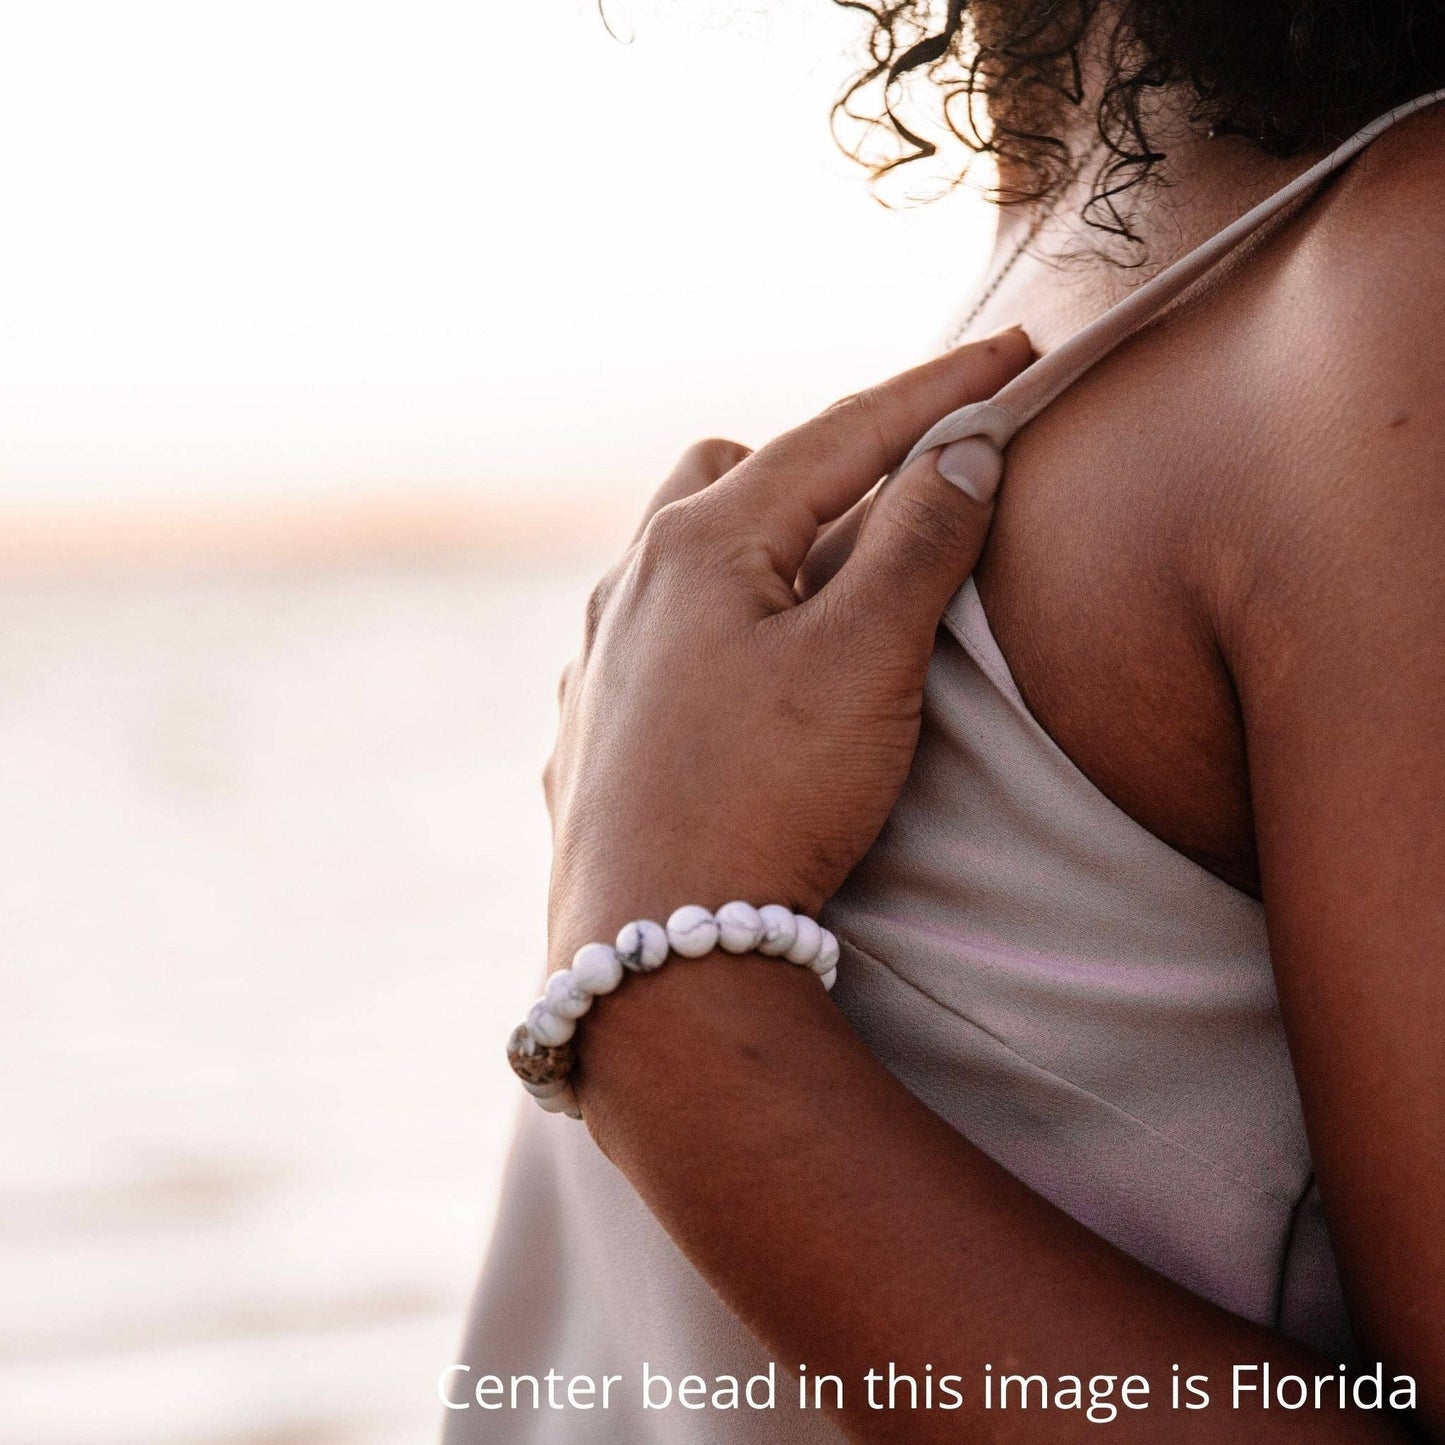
{"x":974,"y":465}
{"x":999,"y":335}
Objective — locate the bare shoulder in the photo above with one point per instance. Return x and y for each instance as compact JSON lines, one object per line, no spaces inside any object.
{"x":1383,"y":218}
{"x":1350,"y":457}
{"x":1371,"y":275}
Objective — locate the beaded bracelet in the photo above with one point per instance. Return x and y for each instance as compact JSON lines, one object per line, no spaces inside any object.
{"x":540,"y":1050}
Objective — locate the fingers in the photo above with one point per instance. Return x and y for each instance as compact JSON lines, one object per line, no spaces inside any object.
{"x":831,"y":550}
{"x":817,"y":471}
{"x":922,"y":537}
{"x":698,"y":467}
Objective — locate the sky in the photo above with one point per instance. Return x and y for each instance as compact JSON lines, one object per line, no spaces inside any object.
{"x":302,"y":246}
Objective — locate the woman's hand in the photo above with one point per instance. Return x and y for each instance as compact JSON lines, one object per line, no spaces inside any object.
{"x":721,"y":738}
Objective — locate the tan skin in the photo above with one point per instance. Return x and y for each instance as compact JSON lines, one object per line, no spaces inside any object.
{"x":1215,"y":571}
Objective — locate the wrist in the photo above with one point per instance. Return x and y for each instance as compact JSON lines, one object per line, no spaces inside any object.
{"x":544,"y":1049}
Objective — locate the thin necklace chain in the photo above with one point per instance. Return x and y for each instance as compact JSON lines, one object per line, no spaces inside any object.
{"x":999,"y":277}
{"x":1030,"y":236}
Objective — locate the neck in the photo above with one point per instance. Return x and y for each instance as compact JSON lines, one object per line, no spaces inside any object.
{"x":1203,"y":183}
{"x":1058,"y":277}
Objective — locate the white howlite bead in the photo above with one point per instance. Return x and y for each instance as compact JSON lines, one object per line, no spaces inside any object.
{"x":563,"y":996}
{"x":808,"y":941}
{"x":596,"y":968}
{"x":828,"y":951}
{"x":692,"y":931}
{"x":780,"y":928}
{"x":642,"y":945}
{"x":546,"y":1091}
{"x":829,"y":979}
{"x":739,"y":927}
{"x":549,"y":1028}
{"x":564,"y":1102}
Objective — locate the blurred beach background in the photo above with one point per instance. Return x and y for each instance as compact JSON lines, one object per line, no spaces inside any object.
{"x":339,"y":346}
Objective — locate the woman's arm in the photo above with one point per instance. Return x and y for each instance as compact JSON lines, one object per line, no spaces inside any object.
{"x":845,"y":1223}
{"x":849,"y":1227}
{"x":1333,"y":625}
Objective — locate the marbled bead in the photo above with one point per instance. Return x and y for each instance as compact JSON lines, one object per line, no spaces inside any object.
{"x":642,"y":945}
{"x":692,"y":931}
{"x":535,"y":1063}
{"x":780,"y":928}
{"x":549,"y":1090}
{"x":828,"y":950}
{"x":739,"y":927}
{"x":808,"y":941}
{"x":829,"y":979}
{"x":563,"y":996}
{"x":549,"y":1029}
{"x":596,"y":968}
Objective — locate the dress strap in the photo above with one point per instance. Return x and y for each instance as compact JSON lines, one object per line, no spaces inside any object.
{"x":1034,"y":388}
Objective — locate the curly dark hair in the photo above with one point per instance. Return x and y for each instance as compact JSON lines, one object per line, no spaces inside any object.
{"x":1007,"y":78}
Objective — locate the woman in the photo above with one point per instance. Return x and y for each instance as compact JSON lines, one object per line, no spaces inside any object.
{"x":1134,"y":1065}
